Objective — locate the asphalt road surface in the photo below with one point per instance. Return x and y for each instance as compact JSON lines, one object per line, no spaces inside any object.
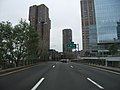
{"x":60,"y":76}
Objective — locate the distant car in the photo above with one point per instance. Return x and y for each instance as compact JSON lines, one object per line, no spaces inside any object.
{"x":64,"y":60}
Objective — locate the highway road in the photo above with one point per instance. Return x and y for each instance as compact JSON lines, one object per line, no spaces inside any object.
{"x":60,"y":76}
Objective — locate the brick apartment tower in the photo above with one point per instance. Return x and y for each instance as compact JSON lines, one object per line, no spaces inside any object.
{"x":39,"y":19}
{"x":87,"y":18}
{"x":67,"y":37}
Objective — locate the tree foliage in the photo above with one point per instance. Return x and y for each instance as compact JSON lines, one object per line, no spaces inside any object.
{"x":113,"y":49}
{"x":17,"y":43}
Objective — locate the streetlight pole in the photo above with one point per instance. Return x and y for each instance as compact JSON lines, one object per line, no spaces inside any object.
{"x":78,"y":51}
{"x":78,"y":47}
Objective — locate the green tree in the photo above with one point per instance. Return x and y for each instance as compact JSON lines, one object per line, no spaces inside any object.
{"x":32,"y":45}
{"x":87,"y":53}
{"x":5,"y":42}
{"x":113,"y":49}
{"x":25,"y":43}
{"x":18,"y":43}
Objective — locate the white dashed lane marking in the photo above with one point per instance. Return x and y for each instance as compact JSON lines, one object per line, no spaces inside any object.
{"x":53,"y":66}
{"x":39,"y":82}
{"x":71,"y":66}
{"x":95,"y":83}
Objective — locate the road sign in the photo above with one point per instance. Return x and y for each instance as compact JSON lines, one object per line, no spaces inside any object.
{"x":71,"y":45}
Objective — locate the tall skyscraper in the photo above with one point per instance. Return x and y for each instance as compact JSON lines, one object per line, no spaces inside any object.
{"x":107,"y":15}
{"x":99,"y":24}
{"x":39,"y":19}
{"x":118,"y":30}
{"x":88,"y":22}
{"x":67,"y":38}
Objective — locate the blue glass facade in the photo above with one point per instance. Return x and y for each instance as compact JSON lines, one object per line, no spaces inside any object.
{"x":92,"y":38}
{"x":118,"y":30}
{"x":107,"y":15}
{"x":92,"y":34}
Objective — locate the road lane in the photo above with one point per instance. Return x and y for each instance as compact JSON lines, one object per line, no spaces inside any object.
{"x":110,"y":81}
{"x":61,"y":76}
{"x":24,"y":80}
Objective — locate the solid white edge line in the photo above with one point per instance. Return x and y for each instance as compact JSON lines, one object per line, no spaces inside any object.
{"x":40,"y":81}
{"x":107,"y":70}
{"x":95,"y":83}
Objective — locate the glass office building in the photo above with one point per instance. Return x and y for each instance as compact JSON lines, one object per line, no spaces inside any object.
{"x":104,"y":30}
{"x":118,"y":30}
{"x":107,"y":15}
{"x":88,"y":20}
{"x":93,"y":39}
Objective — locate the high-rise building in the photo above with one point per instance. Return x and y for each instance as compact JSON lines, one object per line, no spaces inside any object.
{"x":88,"y":21}
{"x":39,"y":19}
{"x":118,"y":30}
{"x":99,"y":24}
{"x":107,"y":15}
{"x":67,"y":38}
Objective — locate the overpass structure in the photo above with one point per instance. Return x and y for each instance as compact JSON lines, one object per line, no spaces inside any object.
{"x":107,"y":61}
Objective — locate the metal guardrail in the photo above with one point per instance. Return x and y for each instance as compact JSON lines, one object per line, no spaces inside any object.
{"x":106,"y":58}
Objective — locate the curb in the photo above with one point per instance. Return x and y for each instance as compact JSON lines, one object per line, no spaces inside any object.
{"x":107,"y":68}
{"x":16,"y":68}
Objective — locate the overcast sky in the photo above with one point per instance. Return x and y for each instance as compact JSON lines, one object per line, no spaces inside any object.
{"x":63,"y":14}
